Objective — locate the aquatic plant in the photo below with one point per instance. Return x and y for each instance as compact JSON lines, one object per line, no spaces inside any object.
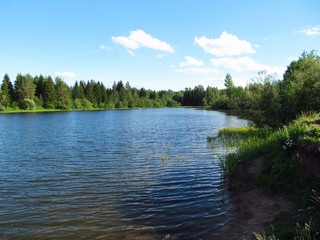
{"x":164,"y":158}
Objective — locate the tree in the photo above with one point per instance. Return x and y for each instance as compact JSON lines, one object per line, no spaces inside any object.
{"x":300,"y":87}
{"x":78,"y":91}
{"x":7,"y":91}
{"x":24,"y":87}
{"x":128,"y":87}
{"x":89,"y":92}
{"x":228,"y":83}
{"x":2,"y":107}
{"x":97,"y":93}
{"x":62,"y":94}
{"x":142,"y":92}
{"x":211,"y":96}
{"x":48,"y":92}
{"x":103,"y":93}
{"x":198,"y":96}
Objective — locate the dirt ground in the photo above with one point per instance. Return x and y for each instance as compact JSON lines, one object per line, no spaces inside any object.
{"x":253,"y":209}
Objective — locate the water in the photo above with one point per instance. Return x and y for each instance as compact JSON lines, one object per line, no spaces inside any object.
{"x":135,"y":174}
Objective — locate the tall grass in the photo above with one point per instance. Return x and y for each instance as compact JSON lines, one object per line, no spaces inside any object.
{"x":281,"y":166}
{"x":247,"y":143}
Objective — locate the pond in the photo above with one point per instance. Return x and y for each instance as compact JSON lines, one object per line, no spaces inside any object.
{"x":123,"y":174}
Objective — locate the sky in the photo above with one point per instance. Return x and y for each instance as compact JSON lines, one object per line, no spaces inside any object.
{"x":156,"y":44}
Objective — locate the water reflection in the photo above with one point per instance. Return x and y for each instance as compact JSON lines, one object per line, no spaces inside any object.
{"x":102,"y":175}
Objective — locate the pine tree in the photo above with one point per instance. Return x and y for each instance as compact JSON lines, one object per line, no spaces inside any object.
{"x":7,"y":91}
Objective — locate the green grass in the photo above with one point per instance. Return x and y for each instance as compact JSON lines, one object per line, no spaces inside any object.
{"x":9,"y":111}
{"x":42,"y":110}
{"x":281,"y":171}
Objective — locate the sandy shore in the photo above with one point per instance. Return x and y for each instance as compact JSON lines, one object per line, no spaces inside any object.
{"x":254,"y":210}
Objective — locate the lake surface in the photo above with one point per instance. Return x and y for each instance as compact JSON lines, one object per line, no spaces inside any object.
{"x":131,"y":174}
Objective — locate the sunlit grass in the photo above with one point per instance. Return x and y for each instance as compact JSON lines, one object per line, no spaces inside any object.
{"x":243,"y":131}
{"x":281,"y":164}
{"x":8,"y":111}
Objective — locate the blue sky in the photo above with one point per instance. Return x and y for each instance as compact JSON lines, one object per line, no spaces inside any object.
{"x":157,"y":44}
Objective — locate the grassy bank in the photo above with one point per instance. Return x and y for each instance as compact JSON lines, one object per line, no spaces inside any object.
{"x":291,"y":166}
{"x":41,"y":110}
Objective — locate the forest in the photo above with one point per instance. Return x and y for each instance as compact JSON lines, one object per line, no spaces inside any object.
{"x":267,"y":101}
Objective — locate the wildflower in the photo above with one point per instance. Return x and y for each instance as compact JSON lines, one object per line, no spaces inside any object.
{"x":288,"y":144}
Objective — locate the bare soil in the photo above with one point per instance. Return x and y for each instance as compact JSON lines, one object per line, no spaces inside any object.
{"x":253,"y":209}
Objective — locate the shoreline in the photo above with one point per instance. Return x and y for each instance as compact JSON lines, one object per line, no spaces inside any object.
{"x":44,"y":110}
{"x":253,"y":210}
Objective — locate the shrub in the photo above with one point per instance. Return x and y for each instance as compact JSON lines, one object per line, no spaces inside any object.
{"x":27,"y":104}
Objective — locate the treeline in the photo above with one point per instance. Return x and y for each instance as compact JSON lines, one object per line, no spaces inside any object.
{"x":266,"y":100}
{"x":29,"y":92}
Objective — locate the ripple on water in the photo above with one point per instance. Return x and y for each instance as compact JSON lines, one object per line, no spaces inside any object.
{"x":139,"y":174}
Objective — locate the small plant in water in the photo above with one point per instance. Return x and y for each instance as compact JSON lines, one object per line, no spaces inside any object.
{"x":164,"y":158}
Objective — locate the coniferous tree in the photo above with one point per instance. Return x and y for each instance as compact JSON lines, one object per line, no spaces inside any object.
{"x":103,"y":93}
{"x":48,"y":93}
{"x":78,"y":91}
{"x":25,"y":91}
{"x":7,"y":91}
{"x":24,"y":87}
{"x":228,"y":83}
{"x":62,"y":94}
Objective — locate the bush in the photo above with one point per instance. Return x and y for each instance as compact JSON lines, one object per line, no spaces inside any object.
{"x":27,"y":104}
{"x":82,"y":104}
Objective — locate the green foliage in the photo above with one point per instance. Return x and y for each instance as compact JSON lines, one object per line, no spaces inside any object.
{"x":49,"y":94}
{"x":63,"y":95}
{"x":264,"y":236}
{"x":273,"y":102}
{"x":300,"y":87}
{"x":82,"y":104}
{"x":267,"y":101}
{"x":27,"y":104}
{"x":24,"y":89}
{"x":305,"y":232}
{"x":228,"y":83}
{"x":247,"y":143}
{"x":281,"y":170}
{"x":194,"y":97}
{"x":7,"y":92}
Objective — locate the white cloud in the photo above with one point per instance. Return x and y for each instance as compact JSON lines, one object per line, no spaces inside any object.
{"x":195,"y":70}
{"x":313,"y":31}
{"x":126,"y":42}
{"x":65,"y":74}
{"x":190,"y":61}
{"x":161,"y":55}
{"x":242,"y":64}
{"x":226,"y":45}
{"x":139,"y":38}
{"x":103,"y":47}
